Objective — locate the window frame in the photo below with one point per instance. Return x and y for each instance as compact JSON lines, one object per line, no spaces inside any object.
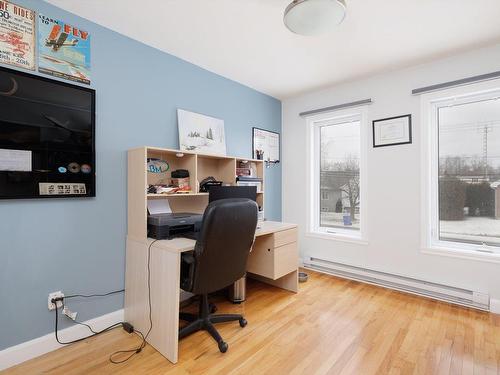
{"x":430,"y":104}
{"x":313,"y":185}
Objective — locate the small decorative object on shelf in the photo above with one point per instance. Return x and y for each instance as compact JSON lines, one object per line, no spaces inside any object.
{"x":243,"y":171}
{"x":207,"y":182}
{"x":180,"y":178}
{"x":243,"y":168}
{"x":179,"y":184}
{"x":156,"y":165}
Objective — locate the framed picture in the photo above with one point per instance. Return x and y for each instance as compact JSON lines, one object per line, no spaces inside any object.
{"x":17,"y":35}
{"x":201,"y":133}
{"x":63,"y":50}
{"x":266,"y":145}
{"x":392,"y":131}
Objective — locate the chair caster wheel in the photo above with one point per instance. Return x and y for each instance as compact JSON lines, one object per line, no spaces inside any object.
{"x":243,"y":322}
{"x":223,"y":347}
{"x":212,"y":308}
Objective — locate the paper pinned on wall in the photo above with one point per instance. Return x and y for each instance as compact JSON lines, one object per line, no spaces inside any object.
{"x":15,"y":160}
{"x":158,"y":206}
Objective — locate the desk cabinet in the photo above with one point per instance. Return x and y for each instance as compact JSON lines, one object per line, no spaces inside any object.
{"x":275,"y":255}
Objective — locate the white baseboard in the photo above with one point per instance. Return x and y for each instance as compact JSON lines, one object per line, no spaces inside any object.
{"x":495,"y":306}
{"x":34,"y":348}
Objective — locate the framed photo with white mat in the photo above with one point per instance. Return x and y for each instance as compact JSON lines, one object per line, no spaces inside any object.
{"x":201,"y":133}
{"x":392,"y":131}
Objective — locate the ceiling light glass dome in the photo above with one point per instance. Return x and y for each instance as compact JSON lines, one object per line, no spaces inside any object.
{"x":314,"y":17}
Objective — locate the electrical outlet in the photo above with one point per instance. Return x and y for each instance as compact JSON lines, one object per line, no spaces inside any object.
{"x":70,"y":314}
{"x":52,"y":295}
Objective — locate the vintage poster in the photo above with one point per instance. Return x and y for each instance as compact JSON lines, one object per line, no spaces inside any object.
{"x":17,"y":35}
{"x":63,"y":50}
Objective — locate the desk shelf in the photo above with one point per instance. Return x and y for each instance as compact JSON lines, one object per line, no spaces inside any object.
{"x":176,"y":195}
{"x":200,"y":166}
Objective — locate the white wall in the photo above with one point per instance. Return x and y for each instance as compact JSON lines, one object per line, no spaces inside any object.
{"x":393,"y":173}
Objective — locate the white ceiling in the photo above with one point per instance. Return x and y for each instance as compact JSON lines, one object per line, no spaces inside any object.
{"x":245,"y":40}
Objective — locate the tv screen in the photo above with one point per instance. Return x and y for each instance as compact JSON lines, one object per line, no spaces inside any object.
{"x":47,"y":141}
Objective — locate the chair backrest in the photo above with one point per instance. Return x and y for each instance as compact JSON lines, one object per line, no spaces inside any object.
{"x":225,"y":240}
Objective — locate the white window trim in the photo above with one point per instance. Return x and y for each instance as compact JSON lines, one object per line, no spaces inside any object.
{"x":313,"y":187}
{"x":429,"y":177}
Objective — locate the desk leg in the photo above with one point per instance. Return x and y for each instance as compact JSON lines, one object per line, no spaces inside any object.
{"x":165,"y":294}
{"x":289,"y":282}
{"x":165,"y":291}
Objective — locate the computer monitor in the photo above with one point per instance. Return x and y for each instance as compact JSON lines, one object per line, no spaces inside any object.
{"x":224,"y":192}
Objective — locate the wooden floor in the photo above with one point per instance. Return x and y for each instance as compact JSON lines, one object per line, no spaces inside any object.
{"x":332,"y":326}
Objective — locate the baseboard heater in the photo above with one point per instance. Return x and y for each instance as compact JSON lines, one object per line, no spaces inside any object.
{"x":428,"y":289}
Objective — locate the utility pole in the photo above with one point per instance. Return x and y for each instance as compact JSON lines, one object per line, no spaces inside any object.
{"x":486,"y":129}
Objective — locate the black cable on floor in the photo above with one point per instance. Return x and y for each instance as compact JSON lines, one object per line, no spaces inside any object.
{"x":131,"y":351}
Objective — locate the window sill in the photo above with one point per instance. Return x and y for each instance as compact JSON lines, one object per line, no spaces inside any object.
{"x":463,"y":254}
{"x":338,"y":237}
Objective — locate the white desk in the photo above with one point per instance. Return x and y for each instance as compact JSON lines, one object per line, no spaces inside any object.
{"x":273,"y":260}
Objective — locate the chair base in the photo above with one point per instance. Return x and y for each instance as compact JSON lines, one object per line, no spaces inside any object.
{"x":205,"y":321}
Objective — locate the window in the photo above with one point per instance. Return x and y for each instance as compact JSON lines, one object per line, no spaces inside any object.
{"x":336,"y":195}
{"x":465,"y":172}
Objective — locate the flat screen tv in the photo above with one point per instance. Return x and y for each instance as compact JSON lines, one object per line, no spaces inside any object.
{"x":47,"y":138}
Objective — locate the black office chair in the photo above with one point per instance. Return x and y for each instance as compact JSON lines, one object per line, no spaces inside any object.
{"x":218,"y":260}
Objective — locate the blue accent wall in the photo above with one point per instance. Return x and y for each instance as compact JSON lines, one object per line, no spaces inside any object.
{"x":78,"y":245}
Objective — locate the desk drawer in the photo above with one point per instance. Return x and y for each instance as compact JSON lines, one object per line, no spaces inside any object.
{"x":285,"y":237}
{"x":261,"y":258}
{"x":286,"y":259}
{"x":272,"y":262}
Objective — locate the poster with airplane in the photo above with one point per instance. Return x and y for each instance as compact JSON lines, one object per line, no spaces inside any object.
{"x":17,"y":35}
{"x":63,"y":50}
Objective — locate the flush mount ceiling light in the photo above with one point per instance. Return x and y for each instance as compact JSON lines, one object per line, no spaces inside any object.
{"x":313,"y":17}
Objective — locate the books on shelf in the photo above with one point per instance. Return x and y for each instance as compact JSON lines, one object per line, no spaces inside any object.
{"x":250,"y":181}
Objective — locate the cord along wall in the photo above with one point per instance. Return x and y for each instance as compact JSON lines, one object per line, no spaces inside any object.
{"x":79,"y":245}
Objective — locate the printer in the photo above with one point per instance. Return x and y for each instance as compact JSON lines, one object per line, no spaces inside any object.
{"x":164,"y":226}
